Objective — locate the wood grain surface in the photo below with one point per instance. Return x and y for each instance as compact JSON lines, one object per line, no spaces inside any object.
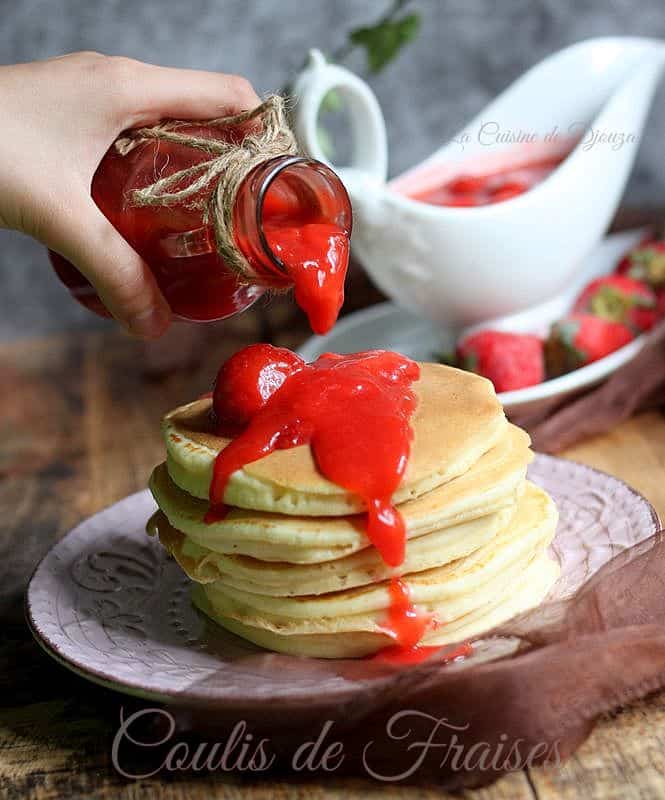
{"x":78,"y":431}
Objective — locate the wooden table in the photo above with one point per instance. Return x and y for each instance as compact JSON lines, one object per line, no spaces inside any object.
{"x":78,"y":431}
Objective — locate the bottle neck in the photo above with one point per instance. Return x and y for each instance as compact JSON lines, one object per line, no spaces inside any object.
{"x":285,"y":192}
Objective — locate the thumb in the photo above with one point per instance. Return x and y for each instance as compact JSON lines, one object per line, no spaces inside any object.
{"x":122,"y":279}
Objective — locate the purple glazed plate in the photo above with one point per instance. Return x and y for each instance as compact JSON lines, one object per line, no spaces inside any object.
{"x":108,"y":603}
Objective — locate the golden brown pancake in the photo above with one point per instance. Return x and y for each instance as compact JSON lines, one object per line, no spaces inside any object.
{"x":280,"y":578}
{"x":527,"y":591}
{"x":491,"y":484}
{"x":468,"y":581}
{"x":457,"y":419}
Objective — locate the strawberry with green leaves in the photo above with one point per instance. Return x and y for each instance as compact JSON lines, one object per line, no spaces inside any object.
{"x":646,"y":262}
{"x":619,"y":298}
{"x":510,"y":360}
{"x":579,"y":339}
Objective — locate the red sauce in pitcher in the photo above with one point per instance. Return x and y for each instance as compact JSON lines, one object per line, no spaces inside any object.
{"x":491,"y":187}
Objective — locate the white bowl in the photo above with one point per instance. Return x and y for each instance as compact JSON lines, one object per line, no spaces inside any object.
{"x":385,"y":326}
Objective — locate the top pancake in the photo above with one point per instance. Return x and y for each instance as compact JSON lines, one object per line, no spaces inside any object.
{"x":458,"y":418}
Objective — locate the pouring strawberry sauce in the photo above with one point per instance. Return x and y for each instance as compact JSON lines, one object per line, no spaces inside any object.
{"x":316,"y":257}
{"x":291,"y":226}
{"x":355,"y":413}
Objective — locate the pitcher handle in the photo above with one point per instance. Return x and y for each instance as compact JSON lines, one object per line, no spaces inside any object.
{"x":368,"y":129}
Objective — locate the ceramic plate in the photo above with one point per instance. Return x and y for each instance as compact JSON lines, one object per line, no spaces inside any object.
{"x":108,"y":603}
{"x":386,"y":326}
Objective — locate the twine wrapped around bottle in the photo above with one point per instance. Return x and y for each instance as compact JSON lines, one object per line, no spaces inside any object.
{"x":228,"y":165}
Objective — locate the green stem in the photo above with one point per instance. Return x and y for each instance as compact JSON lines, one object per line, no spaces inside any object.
{"x":344,"y":50}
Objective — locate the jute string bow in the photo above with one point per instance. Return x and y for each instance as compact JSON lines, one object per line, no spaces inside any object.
{"x":228,"y":165}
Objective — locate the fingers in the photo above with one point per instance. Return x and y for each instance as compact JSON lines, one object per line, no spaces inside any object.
{"x":123,"y":281}
{"x":187,"y":94}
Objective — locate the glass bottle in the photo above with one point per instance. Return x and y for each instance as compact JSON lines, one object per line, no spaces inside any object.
{"x":284,"y":191}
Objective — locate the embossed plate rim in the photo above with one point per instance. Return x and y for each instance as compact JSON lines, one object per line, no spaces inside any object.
{"x":109,"y":678}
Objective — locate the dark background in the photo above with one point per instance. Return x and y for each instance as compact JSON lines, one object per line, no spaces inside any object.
{"x":466,"y":51}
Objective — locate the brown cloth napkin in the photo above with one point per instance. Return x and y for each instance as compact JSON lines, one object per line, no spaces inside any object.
{"x":637,"y":386}
{"x":555,"y":670}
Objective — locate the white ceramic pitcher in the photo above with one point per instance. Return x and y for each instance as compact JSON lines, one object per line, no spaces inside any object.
{"x":459,"y":266}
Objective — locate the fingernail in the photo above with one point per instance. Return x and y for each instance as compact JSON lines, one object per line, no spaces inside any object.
{"x":149,"y":324}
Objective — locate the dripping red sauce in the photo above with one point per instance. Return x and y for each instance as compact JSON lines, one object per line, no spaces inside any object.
{"x":316,"y":257}
{"x":314,"y":252}
{"x":354,"y":411}
{"x":405,"y":624}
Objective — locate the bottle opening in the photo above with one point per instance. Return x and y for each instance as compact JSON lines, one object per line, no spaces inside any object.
{"x":304,"y":222}
{"x":292,"y":222}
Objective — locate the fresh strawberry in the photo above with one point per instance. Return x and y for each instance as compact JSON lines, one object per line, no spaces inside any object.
{"x":246,"y":381}
{"x":619,"y":298}
{"x":579,"y":339}
{"x":646,"y":262}
{"x":509,"y":360}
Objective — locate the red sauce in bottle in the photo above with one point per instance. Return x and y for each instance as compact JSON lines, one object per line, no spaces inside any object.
{"x":488,"y":188}
{"x":292,"y":222}
{"x":354,"y":411}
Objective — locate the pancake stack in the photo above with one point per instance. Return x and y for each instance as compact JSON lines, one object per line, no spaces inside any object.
{"x":290,"y":567}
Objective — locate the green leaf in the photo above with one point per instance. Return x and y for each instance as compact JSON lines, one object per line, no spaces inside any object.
{"x":383,"y":42}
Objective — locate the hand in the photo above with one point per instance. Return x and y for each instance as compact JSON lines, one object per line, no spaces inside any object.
{"x":59,"y":117}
